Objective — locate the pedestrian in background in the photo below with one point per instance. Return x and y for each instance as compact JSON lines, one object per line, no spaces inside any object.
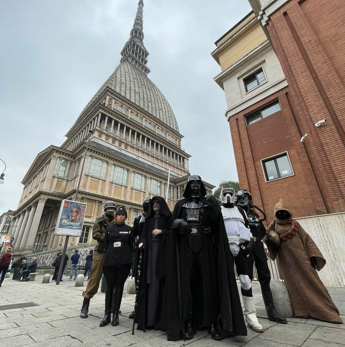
{"x":88,"y":264}
{"x":74,"y":267}
{"x":30,"y":269}
{"x":5,"y":261}
{"x":56,"y":265}
{"x":63,"y":263}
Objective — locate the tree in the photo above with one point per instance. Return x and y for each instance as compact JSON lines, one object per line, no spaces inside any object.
{"x":226,"y":184}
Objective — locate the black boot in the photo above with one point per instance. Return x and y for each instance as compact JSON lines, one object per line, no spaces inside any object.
{"x":131,"y":316}
{"x":108,"y":301}
{"x":271,"y":311}
{"x":189,"y":331}
{"x":117,"y":304}
{"x":84,"y":313}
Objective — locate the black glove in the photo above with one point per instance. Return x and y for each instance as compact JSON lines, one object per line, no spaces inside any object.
{"x":313,"y":261}
{"x":247,"y":247}
{"x":181,"y":226}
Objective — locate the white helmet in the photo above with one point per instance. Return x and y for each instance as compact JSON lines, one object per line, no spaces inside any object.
{"x":227,"y":196}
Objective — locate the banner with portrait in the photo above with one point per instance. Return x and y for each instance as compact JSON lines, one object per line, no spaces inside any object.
{"x":70,"y":220}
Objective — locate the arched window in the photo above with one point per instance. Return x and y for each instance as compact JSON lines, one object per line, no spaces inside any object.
{"x":135,"y":117}
{"x":160,"y":132}
{"x":121,"y":109}
{"x":149,"y":126}
{"x":171,"y":139}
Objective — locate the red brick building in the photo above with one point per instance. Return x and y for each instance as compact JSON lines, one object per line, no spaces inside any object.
{"x":267,"y":122}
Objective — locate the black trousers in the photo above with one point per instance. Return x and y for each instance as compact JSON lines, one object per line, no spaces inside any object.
{"x":4,"y":269}
{"x":116,"y":275}
{"x":259,"y":257}
{"x":242,"y":268}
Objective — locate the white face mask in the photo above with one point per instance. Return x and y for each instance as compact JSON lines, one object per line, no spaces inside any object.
{"x":227,"y":196}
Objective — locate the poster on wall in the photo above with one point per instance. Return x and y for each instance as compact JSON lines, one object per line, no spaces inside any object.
{"x":70,"y":220}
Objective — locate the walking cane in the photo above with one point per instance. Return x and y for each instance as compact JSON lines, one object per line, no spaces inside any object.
{"x":137,"y":280}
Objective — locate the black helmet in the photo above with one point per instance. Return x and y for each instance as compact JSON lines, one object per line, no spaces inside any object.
{"x":108,"y":204}
{"x":187,"y":192}
{"x":243,"y":198}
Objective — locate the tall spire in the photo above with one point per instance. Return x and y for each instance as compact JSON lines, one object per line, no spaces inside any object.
{"x":134,"y":50}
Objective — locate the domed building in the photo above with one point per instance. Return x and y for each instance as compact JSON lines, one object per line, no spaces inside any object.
{"x":134,"y":143}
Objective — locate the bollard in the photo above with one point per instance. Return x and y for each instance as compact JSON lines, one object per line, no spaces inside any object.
{"x":46,"y":278}
{"x":8,"y":275}
{"x":131,"y":286}
{"x":281,"y":298}
{"x":79,"y":282}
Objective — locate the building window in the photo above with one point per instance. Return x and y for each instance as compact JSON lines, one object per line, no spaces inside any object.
{"x":96,"y":167}
{"x":148,"y":125}
{"x":171,"y":139}
{"x":155,"y":187}
{"x":118,"y":175}
{"x":277,"y":167}
{"x":254,"y":80}
{"x":160,"y":132}
{"x":61,"y":168}
{"x":85,"y":235}
{"x":136,"y":118}
{"x":263,"y":113}
{"x":135,"y":214}
{"x":138,"y":181}
{"x":121,"y":109}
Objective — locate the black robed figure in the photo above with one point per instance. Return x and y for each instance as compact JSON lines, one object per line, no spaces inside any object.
{"x":155,"y":240}
{"x":201,"y":289}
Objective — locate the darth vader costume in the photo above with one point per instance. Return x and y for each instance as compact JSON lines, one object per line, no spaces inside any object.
{"x":201,"y":289}
{"x":155,"y":241}
{"x":257,"y":254}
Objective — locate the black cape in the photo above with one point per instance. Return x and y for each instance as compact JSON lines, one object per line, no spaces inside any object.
{"x":221,"y":301}
{"x":164,"y":223}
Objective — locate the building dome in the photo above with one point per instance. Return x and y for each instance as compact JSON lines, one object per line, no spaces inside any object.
{"x":134,"y":85}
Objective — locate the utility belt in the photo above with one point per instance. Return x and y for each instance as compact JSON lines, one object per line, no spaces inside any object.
{"x":234,"y":240}
{"x":119,"y":244}
{"x":257,"y":238}
{"x":200,"y":229}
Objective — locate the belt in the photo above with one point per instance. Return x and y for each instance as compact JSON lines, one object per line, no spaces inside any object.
{"x":201,"y":230}
{"x":118,"y":244}
{"x":234,"y":239}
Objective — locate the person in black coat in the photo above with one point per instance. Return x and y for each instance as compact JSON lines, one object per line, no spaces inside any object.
{"x":155,"y":241}
{"x":201,"y":289}
{"x":56,"y":265}
{"x":118,"y":242}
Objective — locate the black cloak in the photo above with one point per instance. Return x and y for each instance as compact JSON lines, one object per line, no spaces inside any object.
{"x":221,"y":301}
{"x":164,"y":224}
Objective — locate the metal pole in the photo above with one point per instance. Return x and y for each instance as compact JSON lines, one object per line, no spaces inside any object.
{"x":63,"y":255}
{"x":167,"y":194}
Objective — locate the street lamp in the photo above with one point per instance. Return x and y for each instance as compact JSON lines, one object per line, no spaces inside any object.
{"x":2,"y":179}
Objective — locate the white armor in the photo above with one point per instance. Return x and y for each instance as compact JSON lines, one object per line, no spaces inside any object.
{"x":236,"y":231}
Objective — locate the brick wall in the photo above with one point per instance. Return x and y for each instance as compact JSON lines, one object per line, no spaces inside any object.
{"x":308,"y":37}
{"x":267,"y":137}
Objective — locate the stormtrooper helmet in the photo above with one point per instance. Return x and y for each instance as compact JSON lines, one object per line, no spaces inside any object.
{"x":227,"y":196}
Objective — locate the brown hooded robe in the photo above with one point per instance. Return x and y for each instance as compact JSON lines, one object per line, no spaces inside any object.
{"x":309,"y":297}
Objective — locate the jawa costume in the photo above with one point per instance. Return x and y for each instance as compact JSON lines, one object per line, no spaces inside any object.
{"x":240,"y":243}
{"x":155,"y":240}
{"x":299,"y":258}
{"x":201,"y":288}
{"x":257,"y":254}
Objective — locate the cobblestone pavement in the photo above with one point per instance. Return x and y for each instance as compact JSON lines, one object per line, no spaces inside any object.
{"x":54,"y":321}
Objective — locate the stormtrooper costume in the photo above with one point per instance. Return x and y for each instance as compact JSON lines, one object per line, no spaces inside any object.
{"x":240,"y":243}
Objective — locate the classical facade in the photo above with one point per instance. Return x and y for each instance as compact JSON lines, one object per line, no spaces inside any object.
{"x":135,"y":141}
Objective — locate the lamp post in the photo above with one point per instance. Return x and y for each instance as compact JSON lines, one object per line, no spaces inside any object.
{"x":63,"y":255}
{"x":2,"y":179}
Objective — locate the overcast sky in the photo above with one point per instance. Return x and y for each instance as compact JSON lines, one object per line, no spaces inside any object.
{"x":56,"y":54}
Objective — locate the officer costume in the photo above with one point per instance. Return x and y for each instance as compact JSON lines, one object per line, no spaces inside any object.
{"x":95,"y":276}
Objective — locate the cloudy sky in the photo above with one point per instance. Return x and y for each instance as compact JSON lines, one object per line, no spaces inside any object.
{"x":56,"y":54}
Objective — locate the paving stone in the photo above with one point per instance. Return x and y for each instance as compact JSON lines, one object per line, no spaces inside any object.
{"x":58,"y":342}
{"x":317,"y":343}
{"x":329,"y":335}
{"x":258,"y":342}
{"x":292,"y":333}
{"x":326,"y":324}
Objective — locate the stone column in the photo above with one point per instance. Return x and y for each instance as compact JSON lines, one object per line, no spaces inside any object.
{"x":29,"y":244}
{"x":112,"y":126}
{"x":21,"y":227}
{"x":105,"y":123}
{"x":27,"y":228}
{"x":140,"y":140}
{"x":99,"y":119}
{"x":130,"y":136}
{"x":124,"y":132}
{"x":118,"y":129}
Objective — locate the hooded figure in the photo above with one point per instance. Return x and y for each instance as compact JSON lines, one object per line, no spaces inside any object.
{"x":299,"y":258}
{"x":201,"y":289}
{"x":155,"y":240}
